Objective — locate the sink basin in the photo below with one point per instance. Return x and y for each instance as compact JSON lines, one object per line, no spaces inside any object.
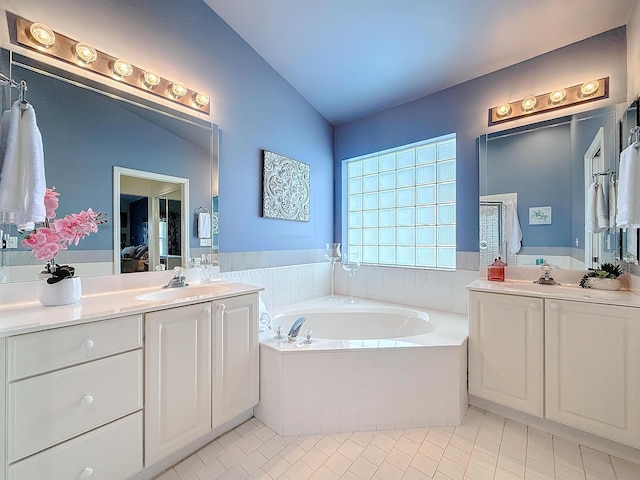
{"x":183,"y":292}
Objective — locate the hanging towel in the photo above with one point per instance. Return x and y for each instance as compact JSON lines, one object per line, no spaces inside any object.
{"x":4,"y":134}
{"x":204,"y":225}
{"x":22,"y":181}
{"x":602,"y":212}
{"x":264,"y":317}
{"x":594,"y":208}
{"x":512,"y":228}
{"x":613,"y":202}
{"x":629,"y":189}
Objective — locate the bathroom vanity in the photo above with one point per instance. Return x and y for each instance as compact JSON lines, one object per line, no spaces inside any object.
{"x":563,"y":354}
{"x":121,"y":386}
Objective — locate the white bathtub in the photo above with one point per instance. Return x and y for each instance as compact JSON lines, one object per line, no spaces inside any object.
{"x":371,"y":366}
{"x":356,"y":322}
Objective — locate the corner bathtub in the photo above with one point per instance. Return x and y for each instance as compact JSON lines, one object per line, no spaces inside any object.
{"x":371,"y":366}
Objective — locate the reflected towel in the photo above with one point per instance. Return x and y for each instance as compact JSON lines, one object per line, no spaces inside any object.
{"x":513,"y":231}
{"x":22,"y":182}
{"x":4,"y":134}
{"x":602,"y":212}
{"x":264,"y":319}
{"x":204,"y":225}
{"x":595,"y":209}
{"x":629,"y":189}
{"x":613,"y":202}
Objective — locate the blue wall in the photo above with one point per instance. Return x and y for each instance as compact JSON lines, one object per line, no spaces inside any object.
{"x":463,"y":110}
{"x":252,"y":104}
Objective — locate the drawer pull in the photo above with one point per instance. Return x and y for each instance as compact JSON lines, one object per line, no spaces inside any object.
{"x":86,"y":400}
{"x":554,"y":306}
{"x":86,"y":472}
{"x":207,"y":311}
{"x":533,"y":306}
{"x":221,"y":308}
{"x":88,"y":344}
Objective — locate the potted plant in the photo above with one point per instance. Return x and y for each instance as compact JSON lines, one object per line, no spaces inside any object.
{"x":604,"y":278}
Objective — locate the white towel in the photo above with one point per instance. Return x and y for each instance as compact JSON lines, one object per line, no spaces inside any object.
{"x":512,"y":229}
{"x":595,"y":209}
{"x":629,"y":189}
{"x":264,"y":317}
{"x":602,"y":211}
{"x":4,"y":134}
{"x":613,"y":202}
{"x":204,"y":225}
{"x":22,"y":181}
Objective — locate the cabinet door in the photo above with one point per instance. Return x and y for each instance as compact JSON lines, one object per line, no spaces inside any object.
{"x":235,"y":357}
{"x":178,"y":378}
{"x":593,"y":368}
{"x":506,"y":350}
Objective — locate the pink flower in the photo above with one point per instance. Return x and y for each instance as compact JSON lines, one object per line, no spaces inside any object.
{"x":44,"y":243}
{"x":51,"y":202}
{"x":74,"y":227}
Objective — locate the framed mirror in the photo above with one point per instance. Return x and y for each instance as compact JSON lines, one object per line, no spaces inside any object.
{"x":629,"y":124}
{"x":541,"y":173}
{"x":87,"y":130}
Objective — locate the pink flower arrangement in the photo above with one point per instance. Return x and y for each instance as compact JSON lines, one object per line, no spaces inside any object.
{"x":47,"y":241}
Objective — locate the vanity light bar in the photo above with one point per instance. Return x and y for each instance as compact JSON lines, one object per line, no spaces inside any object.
{"x":83,"y":54}
{"x":560,"y":98}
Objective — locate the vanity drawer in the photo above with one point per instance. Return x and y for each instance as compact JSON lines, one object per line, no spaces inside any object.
{"x":112,"y":452}
{"x":48,"y":409}
{"x":34,"y":353}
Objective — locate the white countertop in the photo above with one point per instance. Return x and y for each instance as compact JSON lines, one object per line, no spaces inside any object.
{"x":29,"y":316}
{"x":558,"y":292}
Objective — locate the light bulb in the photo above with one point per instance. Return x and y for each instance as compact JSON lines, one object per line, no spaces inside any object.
{"x":589,"y":88}
{"x":42,"y":34}
{"x":85,"y":53}
{"x":201,"y":99}
{"x":557,"y":96}
{"x":121,"y":68}
{"x":529,"y":103}
{"x":178,"y":89}
{"x":150,"y":78}
{"x":503,"y":110}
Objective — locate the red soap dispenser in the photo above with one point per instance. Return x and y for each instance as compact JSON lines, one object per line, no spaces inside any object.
{"x":495,"y":271}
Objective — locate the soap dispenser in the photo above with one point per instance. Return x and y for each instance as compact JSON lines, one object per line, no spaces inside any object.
{"x":495,"y":271}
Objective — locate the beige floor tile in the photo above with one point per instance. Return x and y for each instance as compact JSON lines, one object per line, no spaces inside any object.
{"x":416,"y":434}
{"x":476,"y":472}
{"x":328,"y":445}
{"x":374,"y":454}
{"x":247,"y":428}
{"x":457,"y":455}
{"x":598,"y":461}
{"x":362,"y":438}
{"x":168,"y":475}
{"x":451,"y":468}
{"x":299,"y":471}
{"x":314,"y":458}
{"x":484,"y":459}
{"x":407,"y":445}
{"x":264,"y":433}
{"x":625,"y":470}
{"x":276,"y":467}
{"x":210,"y":452}
{"x":541,"y":469}
{"x":324,"y":473}
{"x":249,"y":443}
{"x":211,"y":470}
{"x":292,"y":453}
{"x":231,"y":456}
{"x":307,"y":442}
{"x":413,"y":474}
{"x":229,"y":438}
{"x":383,"y":441}
{"x":431,"y":450}
{"x":387,"y":471}
{"x":234,"y":473}
{"x":398,"y":459}
{"x":259,"y":475}
{"x":253,"y":462}
{"x":189,"y":466}
{"x":270,"y":448}
{"x":514,"y":466}
{"x":440,"y":436}
{"x":338,"y":463}
{"x":350,"y":449}
{"x":363,"y":468}
{"x":424,"y":464}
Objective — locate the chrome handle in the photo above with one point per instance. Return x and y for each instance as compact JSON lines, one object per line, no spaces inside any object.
{"x":86,"y":400}
{"x":88,"y":344}
{"x":86,"y":472}
{"x":207,"y":311}
{"x":221,"y":308}
{"x":554,"y":306}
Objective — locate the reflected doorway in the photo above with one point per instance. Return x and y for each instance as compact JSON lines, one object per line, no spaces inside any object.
{"x":152,"y":228}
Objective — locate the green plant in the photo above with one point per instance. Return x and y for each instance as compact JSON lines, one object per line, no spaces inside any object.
{"x":606,"y":270}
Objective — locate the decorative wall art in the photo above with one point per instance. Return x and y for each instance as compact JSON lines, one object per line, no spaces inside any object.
{"x":540,"y":216}
{"x":286,"y":188}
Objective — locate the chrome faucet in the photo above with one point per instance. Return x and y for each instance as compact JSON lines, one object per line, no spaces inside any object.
{"x":546,"y":278}
{"x":295,"y":328}
{"x":178,"y":279}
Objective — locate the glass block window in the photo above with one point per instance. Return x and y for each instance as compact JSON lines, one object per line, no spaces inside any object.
{"x":401,"y":205}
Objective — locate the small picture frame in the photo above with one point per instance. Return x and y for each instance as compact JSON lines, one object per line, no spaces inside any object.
{"x":539,"y":215}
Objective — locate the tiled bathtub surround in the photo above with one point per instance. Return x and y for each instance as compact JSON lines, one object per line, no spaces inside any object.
{"x":308,"y":392}
{"x":433,"y":289}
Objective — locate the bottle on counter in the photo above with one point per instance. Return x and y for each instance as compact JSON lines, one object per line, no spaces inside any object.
{"x":495,"y":271}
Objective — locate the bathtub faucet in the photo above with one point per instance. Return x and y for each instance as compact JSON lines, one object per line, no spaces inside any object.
{"x":295,"y":328}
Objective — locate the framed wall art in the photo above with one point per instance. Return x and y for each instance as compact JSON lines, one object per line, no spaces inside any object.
{"x":286,"y":188}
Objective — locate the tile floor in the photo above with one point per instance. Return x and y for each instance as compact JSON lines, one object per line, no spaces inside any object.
{"x":484,"y":447}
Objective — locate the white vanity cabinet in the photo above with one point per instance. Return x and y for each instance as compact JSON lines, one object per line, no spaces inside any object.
{"x":177,"y":378}
{"x":235,"y":357}
{"x":593,"y":368}
{"x":506,"y":334}
{"x":74,"y":400}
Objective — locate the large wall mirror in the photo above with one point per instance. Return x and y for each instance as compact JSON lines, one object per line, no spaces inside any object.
{"x":88,"y":130}
{"x":539,"y":175}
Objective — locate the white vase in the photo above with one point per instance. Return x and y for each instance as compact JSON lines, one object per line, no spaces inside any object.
{"x":604,"y":283}
{"x":63,"y":292}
